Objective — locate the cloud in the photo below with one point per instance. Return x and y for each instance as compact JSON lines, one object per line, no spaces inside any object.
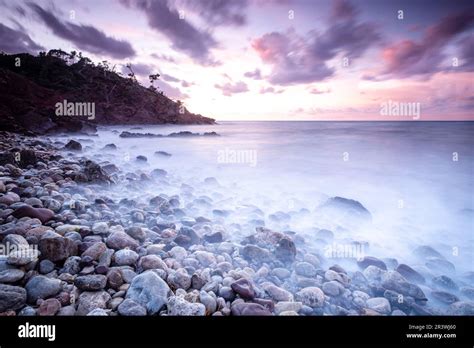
{"x":170,"y":91}
{"x":164,"y":57}
{"x":407,"y":58}
{"x":343,"y":9}
{"x":272,"y":90}
{"x":184,"y":36}
{"x":256,"y":74}
{"x":220,"y":12}
{"x":232,"y":88}
{"x":315,"y":90}
{"x":299,"y":59}
{"x":169,"y":78}
{"x":15,"y":41}
{"x":85,"y":37}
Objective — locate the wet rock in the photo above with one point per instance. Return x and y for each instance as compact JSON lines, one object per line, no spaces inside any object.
{"x":100,"y":228}
{"x":178,"y":306}
{"x":467,"y":291}
{"x":90,"y":300}
{"x":49,"y":307}
{"x":114,"y":278}
{"x":120,"y":240}
{"x":244,"y":288}
{"x":91,"y":282}
{"x":346,"y":206}
{"x":281,"y":273}
{"x":11,"y":275}
{"x":379,"y":304}
{"x":22,"y":257}
{"x":72,"y":265}
{"x":178,"y":253}
{"x":305,"y":269}
{"x":46,"y":266}
{"x":255,"y":254}
{"x":461,"y":308}
{"x":187,"y":237}
{"x":392,"y":280}
{"x":73,"y":145}
{"x":410,"y":274}
{"x":444,"y":297}
{"x":41,"y":287}
{"x":150,"y":291}
{"x":179,"y":279}
{"x":162,"y":154}
{"x":205,"y":258}
{"x":277,"y":293}
{"x":445,"y":282}
{"x":208,"y":301}
{"x":98,"y":312}
{"x":333,"y":288}
{"x":285,"y":251}
{"x":425,"y":251}
{"x":151,"y":262}
{"x":285,"y":306}
{"x":57,"y":249}
{"x":110,"y":147}
{"x":215,"y":237}
{"x":125,"y":257}
{"x":311,"y":296}
{"x":43,"y":214}
{"x":95,"y":251}
{"x":367,"y":261}
{"x":11,"y":298}
{"x":249,"y":309}
{"x":438,"y":264}
{"x":131,"y":308}
{"x":136,"y":233}
{"x":141,"y":158}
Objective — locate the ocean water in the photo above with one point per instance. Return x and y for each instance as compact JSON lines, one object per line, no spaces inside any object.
{"x":415,"y":178}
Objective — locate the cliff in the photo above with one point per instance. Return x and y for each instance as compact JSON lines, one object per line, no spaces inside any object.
{"x":31,"y":88}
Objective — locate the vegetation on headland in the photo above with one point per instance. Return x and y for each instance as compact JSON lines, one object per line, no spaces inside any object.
{"x":31,"y":86}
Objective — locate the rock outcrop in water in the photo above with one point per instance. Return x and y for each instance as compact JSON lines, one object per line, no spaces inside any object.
{"x":30,"y":88}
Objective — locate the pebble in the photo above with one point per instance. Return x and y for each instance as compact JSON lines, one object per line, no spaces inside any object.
{"x":91,"y":282}
{"x":11,"y":297}
{"x":179,"y":306}
{"x":120,"y":240}
{"x":125,"y":257}
{"x":285,"y":306}
{"x":90,"y":300}
{"x":249,"y":309}
{"x":244,"y":288}
{"x":150,"y":291}
{"x":129,"y":307}
{"x":311,"y":296}
{"x":49,"y":307}
{"x":11,"y":275}
{"x":41,"y":287}
{"x":379,"y":304}
{"x":277,"y":293}
{"x":305,"y":269}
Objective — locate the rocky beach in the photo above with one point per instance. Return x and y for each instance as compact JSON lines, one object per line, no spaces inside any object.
{"x":82,"y":235}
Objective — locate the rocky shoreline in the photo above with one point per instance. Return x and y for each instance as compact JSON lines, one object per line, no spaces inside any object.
{"x":70,"y":248}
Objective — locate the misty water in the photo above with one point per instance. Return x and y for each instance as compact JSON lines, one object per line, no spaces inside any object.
{"x":415,"y":178}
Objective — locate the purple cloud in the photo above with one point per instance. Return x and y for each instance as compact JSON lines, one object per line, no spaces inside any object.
{"x":232,"y":88}
{"x":256,"y":74}
{"x":86,"y":37}
{"x":220,"y":12}
{"x":164,"y":57}
{"x":140,"y":69}
{"x":15,"y":41}
{"x":272,"y":90}
{"x":407,"y":58}
{"x":184,"y":36}
{"x":169,"y":78}
{"x":296,"y":59}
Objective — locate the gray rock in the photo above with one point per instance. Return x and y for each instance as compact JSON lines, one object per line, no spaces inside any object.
{"x":178,"y":306}
{"x":208,"y":301}
{"x":91,"y":282}
{"x":444,"y":297}
{"x":392,"y":280}
{"x":11,"y":275}
{"x":27,"y":312}
{"x":249,"y":309}
{"x":125,"y":257}
{"x":281,"y":273}
{"x":311,"y":297}
{"x":11,"y":297}
{"x":379,"y":304}
{"x":445,"y":282}
{"x":333,"y":288}
{"x":46,"y":266}
{"x":179,"y":279}
{"x":90,"y":300}
{"x":57,"y":249}
{"x":131,"y":308}
{"x":425,"y":251}
{"x":285,"y":306}
{"x":410,"y":274}
{"x":72,"y":265}
{"x":461,"y":308}
{"x":42,"y":287}
{"x":120,"y":240}
{"x":22,"y":257}
{"x":305,"y":269}
{"x":367,"y":261}
{"x":98,"y":312}
{"x":255,"y":254}
{"x":100,"y":228}
{"x":150,"y":291}
{"x":277,"y":293}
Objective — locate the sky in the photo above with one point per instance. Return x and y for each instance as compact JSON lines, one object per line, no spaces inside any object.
{"x":272,"y":59}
